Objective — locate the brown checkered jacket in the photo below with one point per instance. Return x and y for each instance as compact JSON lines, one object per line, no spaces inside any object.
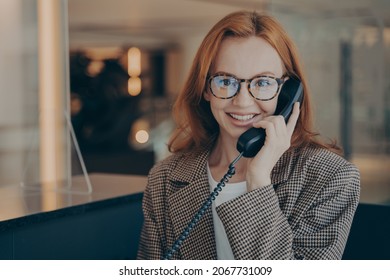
{"x":305,"y":214}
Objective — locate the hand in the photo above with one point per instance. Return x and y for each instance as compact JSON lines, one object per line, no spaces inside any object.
{"x":277,"y":141}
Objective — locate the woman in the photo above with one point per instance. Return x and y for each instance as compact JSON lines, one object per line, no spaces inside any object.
{"x":294,"y":200}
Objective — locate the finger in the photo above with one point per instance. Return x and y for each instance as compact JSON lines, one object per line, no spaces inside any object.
{"x":278,"y":122}
{"x":268,"y":126}
{"x":280,"y":126}
{"x":271,"y":118}
{"x":293,"y":118}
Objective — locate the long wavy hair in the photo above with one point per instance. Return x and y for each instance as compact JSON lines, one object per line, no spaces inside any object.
{"x":196,"y":126}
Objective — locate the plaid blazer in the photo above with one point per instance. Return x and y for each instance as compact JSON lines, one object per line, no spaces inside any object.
{"x":305,"y":214}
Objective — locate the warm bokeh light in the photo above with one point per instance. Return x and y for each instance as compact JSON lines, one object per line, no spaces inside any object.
{"x":95,"y":67}
{"x":142,"y":136}
{"x":134,"y":70}
{"x":75,"y":105}
{"x":139,"y":136}
{"x":134,"y":62}
{"x":134,"y":86}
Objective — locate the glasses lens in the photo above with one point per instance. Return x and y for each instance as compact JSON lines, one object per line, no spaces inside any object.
{"x":264,"y":87}
{"x":224,"y":86}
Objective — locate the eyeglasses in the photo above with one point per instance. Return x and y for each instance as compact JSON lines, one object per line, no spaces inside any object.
{"x":260,"y":87}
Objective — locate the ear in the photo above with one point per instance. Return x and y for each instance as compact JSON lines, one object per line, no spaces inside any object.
{"x":206,"y":95}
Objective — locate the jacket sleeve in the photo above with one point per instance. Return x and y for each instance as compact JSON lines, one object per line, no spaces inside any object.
{"x":150,"y":244}
{"x":258,"y":229}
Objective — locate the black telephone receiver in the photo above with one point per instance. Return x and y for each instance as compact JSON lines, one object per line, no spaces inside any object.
{"x":251,"y":141}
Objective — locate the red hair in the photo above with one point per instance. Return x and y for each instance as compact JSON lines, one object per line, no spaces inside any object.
{"x":196,"y":125}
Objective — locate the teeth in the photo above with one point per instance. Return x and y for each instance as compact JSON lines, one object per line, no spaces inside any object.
{"x":242,"y":118}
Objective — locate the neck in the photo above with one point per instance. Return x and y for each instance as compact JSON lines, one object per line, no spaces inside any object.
{"x":224,"y":152}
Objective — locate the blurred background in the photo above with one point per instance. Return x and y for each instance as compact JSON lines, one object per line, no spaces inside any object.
{"x":126,"y":60}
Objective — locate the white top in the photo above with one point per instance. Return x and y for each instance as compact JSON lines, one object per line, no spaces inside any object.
{"x":229,"y":192}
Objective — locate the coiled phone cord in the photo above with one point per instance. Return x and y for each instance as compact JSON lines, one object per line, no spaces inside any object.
{"x":206,"y":205}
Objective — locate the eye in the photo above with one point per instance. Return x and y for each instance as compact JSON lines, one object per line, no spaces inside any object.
{"x":264,"y":82}
{"x":224,"y":82}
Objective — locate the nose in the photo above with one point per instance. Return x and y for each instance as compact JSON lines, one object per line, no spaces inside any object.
{"x":243,"y":97}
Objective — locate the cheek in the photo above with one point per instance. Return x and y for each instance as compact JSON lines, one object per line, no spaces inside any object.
{"x":218,"y":110}
{"x":217,"y":105}
{"x":268,"y":107}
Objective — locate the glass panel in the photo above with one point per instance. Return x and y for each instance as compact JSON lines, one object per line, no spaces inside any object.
{"x":18,"y":87}
{"x":36,"y":143}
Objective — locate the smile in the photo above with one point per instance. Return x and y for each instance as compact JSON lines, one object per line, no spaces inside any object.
{"x":242,"y":117}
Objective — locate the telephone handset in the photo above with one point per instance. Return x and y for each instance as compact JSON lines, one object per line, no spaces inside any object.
{"x":251,"y":141}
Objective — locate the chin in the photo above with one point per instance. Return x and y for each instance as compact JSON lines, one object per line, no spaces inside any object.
{"x":236,"y":134}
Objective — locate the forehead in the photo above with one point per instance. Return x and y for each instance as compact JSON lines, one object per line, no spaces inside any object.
{"x":247,"y":57}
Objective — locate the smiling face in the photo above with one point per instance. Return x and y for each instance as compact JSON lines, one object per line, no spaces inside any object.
{"x":244,"y":58}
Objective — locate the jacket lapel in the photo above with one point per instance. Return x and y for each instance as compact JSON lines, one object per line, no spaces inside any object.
{"x":282,"y":169}
{"x":190,"y":188}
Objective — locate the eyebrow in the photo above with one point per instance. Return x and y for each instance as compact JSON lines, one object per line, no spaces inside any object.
{"x":266,"y":73}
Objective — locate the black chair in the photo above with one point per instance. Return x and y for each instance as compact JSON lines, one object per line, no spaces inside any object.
{"x":369,"y":238}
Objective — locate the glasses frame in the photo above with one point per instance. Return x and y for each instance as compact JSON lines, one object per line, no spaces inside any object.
{"x":248,"y":82}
